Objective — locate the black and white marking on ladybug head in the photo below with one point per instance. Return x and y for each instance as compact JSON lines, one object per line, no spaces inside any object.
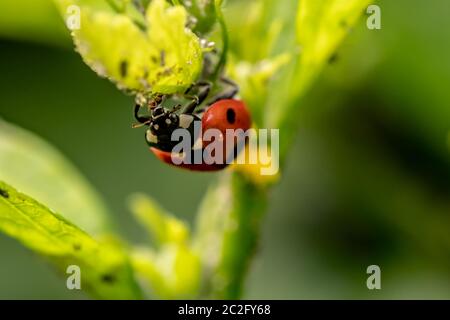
{"x":163,"y":121}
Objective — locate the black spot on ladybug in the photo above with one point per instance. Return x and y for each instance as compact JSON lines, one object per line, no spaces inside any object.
{"x":4,"y":193}
{"x":108,"y":278}
{"x":231,"y":116}
{"x":123,"y":68}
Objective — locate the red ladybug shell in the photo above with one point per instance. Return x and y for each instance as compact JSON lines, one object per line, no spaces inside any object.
{"x":166,"y":157}
{"x":227,"y":114}
{"x":222,"y":115}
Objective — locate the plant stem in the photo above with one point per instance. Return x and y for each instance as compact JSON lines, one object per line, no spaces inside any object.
{"x":122,"y":10}
{"x":227,"y":233}
{"x":114,"y":6}
{"x":240,"y":241}
{"x":225,"y":41}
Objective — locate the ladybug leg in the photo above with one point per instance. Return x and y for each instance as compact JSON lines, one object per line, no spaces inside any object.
{"x":228,"y":93}
{"x":142,"y":120}
{"x":229,"y":82}
{"x":203,"y":92}
{"x":139,"y":6}
{"x":199,"y":84}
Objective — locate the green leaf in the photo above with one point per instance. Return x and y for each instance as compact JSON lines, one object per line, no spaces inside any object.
{"x":254,"y":81}
{"x":161,"y":225}
{"x":105,"y":270}
{"x":204,"y":13}
{"x":245,"y":20}
{"x":38,"y":169}
{"x":321,"y":27}
{"x":255,"y":62}
{"x":173,"y":269}
{"x":172,"y":272}
{"x":158,"y":55}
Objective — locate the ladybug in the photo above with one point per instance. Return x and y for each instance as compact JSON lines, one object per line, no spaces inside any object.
{"x":221,"y":115}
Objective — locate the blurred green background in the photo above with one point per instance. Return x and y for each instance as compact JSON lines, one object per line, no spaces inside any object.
{"x":367,"y":182}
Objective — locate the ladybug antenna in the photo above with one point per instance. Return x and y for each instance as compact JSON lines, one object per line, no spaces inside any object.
{"x":141,"y":124}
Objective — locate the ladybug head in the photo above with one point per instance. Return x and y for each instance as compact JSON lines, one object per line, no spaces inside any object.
{"x":163,"y":122}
